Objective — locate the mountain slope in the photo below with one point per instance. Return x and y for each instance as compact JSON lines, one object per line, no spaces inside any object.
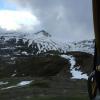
{"x":33,"y":44}
{"x":40,"y":42}
{"x":84,"y":46}
{"x":16,"y":50}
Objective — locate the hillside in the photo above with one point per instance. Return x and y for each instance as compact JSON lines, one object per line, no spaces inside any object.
{"x":36,"y":64}
{"x":41,"y":52}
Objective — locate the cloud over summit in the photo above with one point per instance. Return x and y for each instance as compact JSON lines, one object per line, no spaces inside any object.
{"x":64,"y":19}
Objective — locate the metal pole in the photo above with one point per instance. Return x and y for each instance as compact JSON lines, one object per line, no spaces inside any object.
{"x":96,"y":18}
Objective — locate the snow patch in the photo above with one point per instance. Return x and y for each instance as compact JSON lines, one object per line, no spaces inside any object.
{"x":3,"y":83}
{"x":23,"y":83}
{"x":24,"y":53}
{"x":76,"y":74}
{"x":13,"y":75}
{"x":8,"y":87}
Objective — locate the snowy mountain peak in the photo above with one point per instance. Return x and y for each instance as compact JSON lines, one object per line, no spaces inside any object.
{"x":43,"y":32}
{"x":40,"y":42}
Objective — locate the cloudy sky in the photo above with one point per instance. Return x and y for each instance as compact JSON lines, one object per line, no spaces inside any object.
{"x":64,"y":19}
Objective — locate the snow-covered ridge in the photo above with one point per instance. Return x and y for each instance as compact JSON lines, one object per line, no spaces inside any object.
{"x":42,"y":41}
{"x":84,"y":46}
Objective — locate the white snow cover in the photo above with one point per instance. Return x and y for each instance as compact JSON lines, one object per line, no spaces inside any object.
{"x":50,"y":43}
{"x":8,"y":87}
{"x":75,"y":73}
{"x":13,"y":75}
{"x":23,"y":83}
{"x":24,"y":53}
{"x":83,"y":46}
{"x":46,"y":43}
{"x":3,"y":83}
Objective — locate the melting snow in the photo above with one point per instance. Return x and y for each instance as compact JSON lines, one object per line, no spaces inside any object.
{"x":8,"y":87}
{"x":83,"y":46}
{"x":13,"y":75}
{"x":3,"y":83}
{"x":23,"y":83}
{"x":76,"y":74}
{"x":24,"y":53}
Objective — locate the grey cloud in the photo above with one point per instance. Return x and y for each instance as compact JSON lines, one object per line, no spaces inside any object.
{"x":64,"y":19}
{"x":2,"y":30}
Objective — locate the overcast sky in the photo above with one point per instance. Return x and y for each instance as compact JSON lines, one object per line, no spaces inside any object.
{"x":63,"y":19}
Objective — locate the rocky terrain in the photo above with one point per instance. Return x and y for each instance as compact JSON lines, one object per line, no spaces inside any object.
{"x":38,"y":65}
